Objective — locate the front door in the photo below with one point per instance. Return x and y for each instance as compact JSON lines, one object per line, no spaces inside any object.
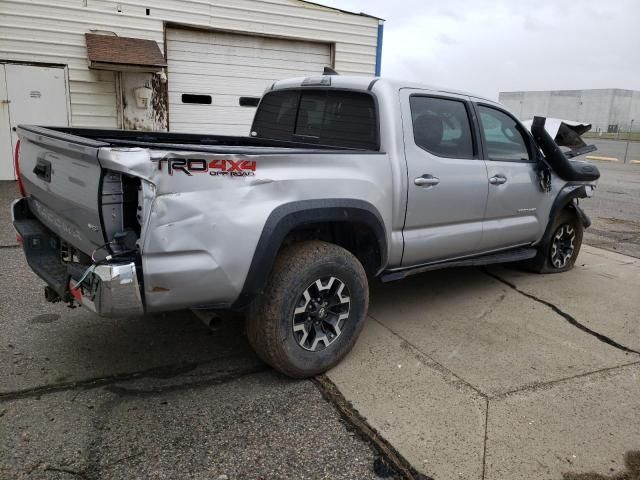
{"x":34,"y":95}
{"x":447,"y":181}
{"x":512,"y":216}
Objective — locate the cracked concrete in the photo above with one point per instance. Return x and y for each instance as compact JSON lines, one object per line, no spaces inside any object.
{"x":503,"y":374}
{"x":566,"y":316}
{"x":601,"y":292}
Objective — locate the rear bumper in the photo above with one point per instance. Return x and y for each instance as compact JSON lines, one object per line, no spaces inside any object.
{"x":110,"y":289}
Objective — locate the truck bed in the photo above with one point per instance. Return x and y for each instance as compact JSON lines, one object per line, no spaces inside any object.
{"x":98,"y":137}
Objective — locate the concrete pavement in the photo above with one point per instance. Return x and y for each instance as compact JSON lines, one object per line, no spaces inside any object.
{"x":503,"y":374}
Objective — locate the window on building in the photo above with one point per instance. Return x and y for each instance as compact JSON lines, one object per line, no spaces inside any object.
{"x":197,"y":99}
{"x":503,"y":139}
{"x":441,"y":126}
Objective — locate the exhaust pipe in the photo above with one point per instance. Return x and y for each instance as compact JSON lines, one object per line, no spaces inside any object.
{"x":211,"y":319}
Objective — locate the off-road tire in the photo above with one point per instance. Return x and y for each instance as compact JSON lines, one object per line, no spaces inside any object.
{"x":270,"y":320}
{"x":543,"y":262}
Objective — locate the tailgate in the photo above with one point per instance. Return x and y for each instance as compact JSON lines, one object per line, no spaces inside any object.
{"x":63,"y":179}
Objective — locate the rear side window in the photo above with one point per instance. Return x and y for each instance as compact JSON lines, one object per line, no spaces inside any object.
{"x":325,"y":117}
{"x":276,"y":115}
{"x":441,"y":126}
{"x":503,"y":138}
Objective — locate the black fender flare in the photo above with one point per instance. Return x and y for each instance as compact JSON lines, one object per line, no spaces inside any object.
{"x":290,"y":216}
{"x":567,"y":197}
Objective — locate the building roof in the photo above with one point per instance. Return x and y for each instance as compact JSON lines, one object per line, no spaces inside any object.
{"x":341,"y":10}
{"x":106,"y":51}
{"x":572,"y":92}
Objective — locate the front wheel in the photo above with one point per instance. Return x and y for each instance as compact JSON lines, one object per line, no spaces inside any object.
{"x":312,"y":310}
{"x":560,"y":252}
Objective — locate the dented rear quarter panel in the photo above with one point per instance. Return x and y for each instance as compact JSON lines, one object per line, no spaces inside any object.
{"x":200,"y":232}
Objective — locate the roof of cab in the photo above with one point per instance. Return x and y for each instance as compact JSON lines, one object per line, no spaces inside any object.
{"x":365,"y":83}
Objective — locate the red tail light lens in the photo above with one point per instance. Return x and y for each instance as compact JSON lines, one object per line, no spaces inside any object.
{"x":16,"y":166}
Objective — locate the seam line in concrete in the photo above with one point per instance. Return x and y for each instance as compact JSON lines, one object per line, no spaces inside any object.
{"x":165,"y":371}
{"x":462,"y":380}
{"x":7,"y":247}
{"x":563,"y":314}
{"x":440,"y":366}
{"x":540,"y":386}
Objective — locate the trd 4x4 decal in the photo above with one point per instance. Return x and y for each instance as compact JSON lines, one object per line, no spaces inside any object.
{"x":189,"y":166}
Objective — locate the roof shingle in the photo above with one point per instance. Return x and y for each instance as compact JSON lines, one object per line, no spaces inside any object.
{"x":114,"y":50}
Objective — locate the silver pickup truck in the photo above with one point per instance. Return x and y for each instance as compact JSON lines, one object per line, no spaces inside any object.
{"x":341,"y":180}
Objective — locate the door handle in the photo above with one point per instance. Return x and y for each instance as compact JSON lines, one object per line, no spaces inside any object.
{"x":498,"y":180}
{"x":426,"y":181}
{"x":43,"y":170}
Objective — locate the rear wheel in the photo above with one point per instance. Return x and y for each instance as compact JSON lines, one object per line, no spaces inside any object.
{"x":560,"y":252}
{"x":312,"y":310}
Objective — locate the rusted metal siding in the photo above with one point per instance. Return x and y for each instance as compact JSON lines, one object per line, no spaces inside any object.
{"x":53,"y":32}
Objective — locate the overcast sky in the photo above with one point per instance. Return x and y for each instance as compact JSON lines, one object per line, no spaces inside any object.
{"x":487,"y":46}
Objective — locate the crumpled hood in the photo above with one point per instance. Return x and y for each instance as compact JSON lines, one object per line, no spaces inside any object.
{"x":565,"y":133}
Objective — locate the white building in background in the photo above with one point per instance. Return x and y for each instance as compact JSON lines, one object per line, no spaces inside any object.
{"x":607,"y":110}
{"x":179,"y":65}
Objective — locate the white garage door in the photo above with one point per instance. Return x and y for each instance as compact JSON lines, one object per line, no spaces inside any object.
{"x":209,"y":71}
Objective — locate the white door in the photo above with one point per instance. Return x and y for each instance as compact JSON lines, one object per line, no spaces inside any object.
{"x":209,"y":71}
{"x":6,"y":152}
{"x":36,"y":95}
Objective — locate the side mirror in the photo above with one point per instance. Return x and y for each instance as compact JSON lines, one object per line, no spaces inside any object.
{"x":249,"y":101}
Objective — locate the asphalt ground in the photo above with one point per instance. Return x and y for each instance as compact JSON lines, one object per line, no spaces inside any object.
{"x":615,"y":208}
{"x":621,"y":151}
{"x":153,"y":397}
{"x":158,"y":397}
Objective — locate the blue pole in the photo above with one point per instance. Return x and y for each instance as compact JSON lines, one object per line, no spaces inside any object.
{"x":379,"y":49}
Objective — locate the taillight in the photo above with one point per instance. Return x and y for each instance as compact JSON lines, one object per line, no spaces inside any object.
{"x":16,"y":166}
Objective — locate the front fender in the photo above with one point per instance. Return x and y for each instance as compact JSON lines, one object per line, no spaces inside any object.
{"x":567,"y":197}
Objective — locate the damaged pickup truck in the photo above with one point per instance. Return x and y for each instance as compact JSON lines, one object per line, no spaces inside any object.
{"x":342,"y":180}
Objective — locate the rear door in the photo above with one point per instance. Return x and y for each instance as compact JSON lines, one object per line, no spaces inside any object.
{"x":514,"y":192}
{"x":447,"y":179}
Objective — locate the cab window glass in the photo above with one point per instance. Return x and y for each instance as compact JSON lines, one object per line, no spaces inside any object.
{"x":503,"y":139}
{"x":276,"y":115}
{"x":336,"y":118}
{"x":441,"y":126}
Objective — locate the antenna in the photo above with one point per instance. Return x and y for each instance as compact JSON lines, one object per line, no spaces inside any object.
{"x":329,"y":71}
